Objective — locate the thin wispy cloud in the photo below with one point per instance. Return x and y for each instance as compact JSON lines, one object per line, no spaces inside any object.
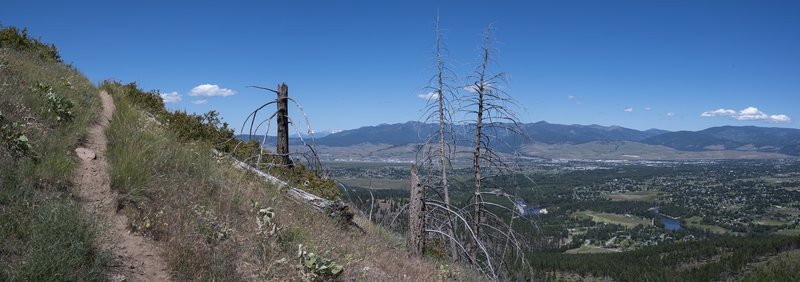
{"x":199,"y":102}
{"x":171,"y":97}
{"x":647,"y":108}
{"x":670,"y":114}
{"x":575,"y":99}
{"x":746,"y":114}
{"x":428,"y":96}
{"x":210,"y":90}
{"x":474,"y":88}
{"x":628,"y":110}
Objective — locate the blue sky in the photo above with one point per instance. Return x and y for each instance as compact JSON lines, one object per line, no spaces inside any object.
{"x":675,"y":65}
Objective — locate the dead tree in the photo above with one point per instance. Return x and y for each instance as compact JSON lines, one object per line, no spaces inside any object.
{"x":481,"y":231}
{"x":416,"y":215}
{"x":492,"y":111}
{"x":444,"y":120}
{"x":282,"y":147}
{"x":282,"y":155}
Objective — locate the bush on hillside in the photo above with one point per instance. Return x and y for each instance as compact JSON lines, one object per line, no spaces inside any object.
{"x":11,"y":37}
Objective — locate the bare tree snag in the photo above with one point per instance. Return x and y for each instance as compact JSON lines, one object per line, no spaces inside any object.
{"x":443,"y":162}
{"x":282,"y":148}
{"x":480,"y":89}
{"x":416,"y":215}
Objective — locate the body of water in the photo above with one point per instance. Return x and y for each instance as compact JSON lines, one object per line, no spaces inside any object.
{"x":670,"y":224}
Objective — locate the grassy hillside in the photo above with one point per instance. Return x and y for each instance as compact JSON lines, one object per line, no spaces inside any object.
{"x":203,"y":211}
{"x":45,"y":109}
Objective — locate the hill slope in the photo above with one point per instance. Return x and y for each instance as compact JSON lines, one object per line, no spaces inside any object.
{"x":45,"y":110}
{"x":202,"y":210}
{"x":742,"y":138}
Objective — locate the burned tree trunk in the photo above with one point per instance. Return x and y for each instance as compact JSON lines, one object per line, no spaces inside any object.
{"x":282,"y":148}
{"x":416,"y":216}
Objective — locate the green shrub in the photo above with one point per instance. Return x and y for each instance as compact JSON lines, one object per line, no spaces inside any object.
{"x":11,"y":37}
{"x":15,"y":142}
{"x":61,"y":107}
{"x":319,"y":268}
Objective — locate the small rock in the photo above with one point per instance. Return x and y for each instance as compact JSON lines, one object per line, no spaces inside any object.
{"x":85,"y":153}
{"x":119,"y":278}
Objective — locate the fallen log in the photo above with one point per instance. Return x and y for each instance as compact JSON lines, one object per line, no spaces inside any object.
{"x":336,"y":209}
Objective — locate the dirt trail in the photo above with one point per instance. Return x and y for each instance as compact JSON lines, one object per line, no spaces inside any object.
{"x":134,"y":257}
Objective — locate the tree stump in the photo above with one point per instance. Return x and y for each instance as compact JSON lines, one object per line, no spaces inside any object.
{"x":416,"y":216}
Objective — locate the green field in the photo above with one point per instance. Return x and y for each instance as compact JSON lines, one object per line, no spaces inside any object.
{"x":696,"y":222}
{"x":646,"y":196}
{"x":789,"y":232}
{"x":770,"y":222}
{"x":590,"y":250}
{"x":378,"y":183}
{"x":785,"y":182}
{"x":612,"y":218}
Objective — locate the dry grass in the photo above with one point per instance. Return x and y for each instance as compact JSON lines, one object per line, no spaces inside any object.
{"x":203,"y":212}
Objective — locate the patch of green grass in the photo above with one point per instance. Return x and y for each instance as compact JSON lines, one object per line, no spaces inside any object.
{"x":44,"y":234}
{"x":589,"y":250}
{"x":789,"y":232}
{"x":770,"y":222}
{"x":378,"y":183}
{"x":696,"y":222}
{"x":129,"y":148}
{"x":289,"y":238}
{"x":61,"y":246}
{"x":612,"y":218}
{"x":647,"y":196}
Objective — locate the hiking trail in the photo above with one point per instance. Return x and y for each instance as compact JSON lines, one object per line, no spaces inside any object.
{"x":134,"y":258}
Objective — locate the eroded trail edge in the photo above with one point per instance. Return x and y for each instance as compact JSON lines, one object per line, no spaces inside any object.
{"x":134,"y":257}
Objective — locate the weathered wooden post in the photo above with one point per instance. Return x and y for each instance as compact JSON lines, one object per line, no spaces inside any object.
{"x":282,"y":148}
{"x":416,"y":215}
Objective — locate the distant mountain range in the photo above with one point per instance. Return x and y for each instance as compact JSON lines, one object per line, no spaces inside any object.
{"x":553,"y":140}
{"x":739,"y":138}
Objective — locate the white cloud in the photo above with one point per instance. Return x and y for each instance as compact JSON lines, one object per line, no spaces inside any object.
{"x":749,"y":113}
{"x":718,"y":112}
{"x":171,"y":97}
{"x":647,"y":108}
{"x":210,"y":90}
{"x":780,"y":118}
{"x":474,"y":88}
{"x":201,"y":101}
{"x":670,"y":114}
{"x":571,"y":97}
{"x":628,"y":110}
{"x":428,"y":96}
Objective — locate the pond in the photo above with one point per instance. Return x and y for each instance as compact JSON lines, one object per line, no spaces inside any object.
{"x":670,"y":224}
